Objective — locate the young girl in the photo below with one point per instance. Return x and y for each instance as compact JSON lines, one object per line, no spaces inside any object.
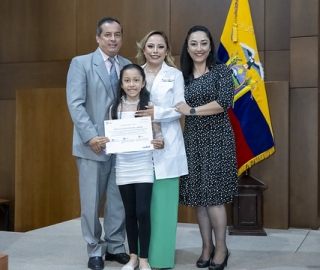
{"x":134,"y":170}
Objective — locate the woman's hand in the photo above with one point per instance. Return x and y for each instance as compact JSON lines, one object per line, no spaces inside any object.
{"x":182,"y":108}
{"x":97,"y":144}
{"x":158,"y":144}
{"x":148,"y":112}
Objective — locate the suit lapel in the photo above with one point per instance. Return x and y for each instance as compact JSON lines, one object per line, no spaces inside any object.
{"x":122,"y":63}
{"x":101,"y":70}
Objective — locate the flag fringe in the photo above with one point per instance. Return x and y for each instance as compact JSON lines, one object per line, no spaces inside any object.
{"x":255,"y":160}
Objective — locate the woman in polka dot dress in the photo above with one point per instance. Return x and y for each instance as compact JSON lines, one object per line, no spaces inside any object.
{"x":209,"y":141}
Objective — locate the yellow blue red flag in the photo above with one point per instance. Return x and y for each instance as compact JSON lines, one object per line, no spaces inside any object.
{"x":249,"y":116}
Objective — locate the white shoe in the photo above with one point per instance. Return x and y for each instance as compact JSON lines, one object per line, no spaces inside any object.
{"x":146,"y":268}
{"x":130,"y":266}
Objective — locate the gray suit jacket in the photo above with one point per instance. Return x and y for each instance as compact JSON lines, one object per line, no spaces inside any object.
{"x":89,"y":96}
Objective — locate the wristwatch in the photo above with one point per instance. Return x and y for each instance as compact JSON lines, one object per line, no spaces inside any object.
{"x":192,"y":111}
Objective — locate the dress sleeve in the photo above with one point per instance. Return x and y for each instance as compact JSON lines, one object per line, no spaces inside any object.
{"x":225,"y":87}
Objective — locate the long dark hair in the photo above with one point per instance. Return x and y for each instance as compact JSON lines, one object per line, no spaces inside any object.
{"x":186,"y":62}
{"x":144,"y":94}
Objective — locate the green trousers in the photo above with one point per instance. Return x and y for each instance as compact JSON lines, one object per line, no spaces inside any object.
{"x":164,"y":218}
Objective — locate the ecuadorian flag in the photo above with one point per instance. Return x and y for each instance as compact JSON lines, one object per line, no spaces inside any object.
{"x":249,"y":116}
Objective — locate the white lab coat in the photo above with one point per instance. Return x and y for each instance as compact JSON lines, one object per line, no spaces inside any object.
{"x":167,"y":90}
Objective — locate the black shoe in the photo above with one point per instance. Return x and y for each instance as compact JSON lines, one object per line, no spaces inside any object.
{"x":203,"y":264}
{"x":96,"y":263}
{"x":221,"y":266}
{"x":122,"y":258}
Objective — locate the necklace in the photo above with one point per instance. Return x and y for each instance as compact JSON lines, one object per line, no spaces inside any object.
{"x":151,"y":71}
{"x":133,"y":102}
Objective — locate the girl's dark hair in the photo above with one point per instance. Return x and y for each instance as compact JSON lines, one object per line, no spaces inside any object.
{"x":144,"y":94}
{"x":186,"y":62}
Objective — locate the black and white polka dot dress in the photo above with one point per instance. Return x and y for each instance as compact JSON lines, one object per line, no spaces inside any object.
{"x":209,"y":140}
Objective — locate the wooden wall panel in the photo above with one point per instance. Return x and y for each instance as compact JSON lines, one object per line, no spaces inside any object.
{"x":46,"y":187}
{"x":7,"y":156}
{"x":304,"y":62}
{"x":37,"y":30}
{"x":150,"y":15}
{"x":187,"y":214}
{"x":305,"y":18}
{"x":277,"y":65}
{"x":277,"y":25}
{"x":274,"y":171}
{"x":257,"y":9}
{"x":304,"y":159}
{"x":31,"y":75}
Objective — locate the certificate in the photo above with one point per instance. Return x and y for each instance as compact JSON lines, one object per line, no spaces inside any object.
{"x":129,"y":134}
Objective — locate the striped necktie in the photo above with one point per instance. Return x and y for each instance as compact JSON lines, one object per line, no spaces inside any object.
{"x":113,"y":75}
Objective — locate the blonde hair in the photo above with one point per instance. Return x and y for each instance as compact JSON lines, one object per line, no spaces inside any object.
{"x":141,"y":45}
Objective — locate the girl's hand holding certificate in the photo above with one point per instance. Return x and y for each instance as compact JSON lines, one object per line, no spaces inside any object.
{"x":158,"y":143}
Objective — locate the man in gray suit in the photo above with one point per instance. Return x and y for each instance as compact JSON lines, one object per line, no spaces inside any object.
{"x":90,"y":93}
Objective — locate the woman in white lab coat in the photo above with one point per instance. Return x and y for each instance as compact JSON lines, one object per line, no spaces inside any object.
{"x":166,"y":85}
